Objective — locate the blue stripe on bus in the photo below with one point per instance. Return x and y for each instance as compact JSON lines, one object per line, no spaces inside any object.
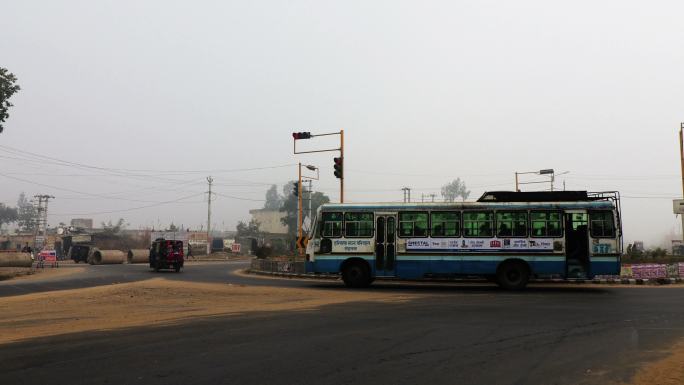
{"x":410,"y":267}
{"x":605,"y":267}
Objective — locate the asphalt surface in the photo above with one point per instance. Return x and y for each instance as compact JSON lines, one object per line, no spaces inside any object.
{"x":452,"y":334}
{"x":108,"y":274}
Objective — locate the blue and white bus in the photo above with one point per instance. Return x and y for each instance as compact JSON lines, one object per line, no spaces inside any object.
{"x":507,"y":237}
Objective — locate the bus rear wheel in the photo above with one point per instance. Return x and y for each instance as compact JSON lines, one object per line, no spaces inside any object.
{"x":356,"y":275}
{"x":513,"y":275}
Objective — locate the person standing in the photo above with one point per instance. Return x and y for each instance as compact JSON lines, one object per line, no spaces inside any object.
{"x":189,"y":253}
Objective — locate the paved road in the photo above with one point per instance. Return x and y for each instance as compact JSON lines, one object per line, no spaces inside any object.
{"x":453,"y":334}
{"x":107,"y":274}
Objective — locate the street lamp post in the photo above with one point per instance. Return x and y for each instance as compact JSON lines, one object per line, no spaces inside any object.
{"x":546,"y":171}
{"x":300,"y":196}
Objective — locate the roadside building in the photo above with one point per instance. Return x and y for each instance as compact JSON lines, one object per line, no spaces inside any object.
{"x":82,"y":223}
{"x":270,"y":221}
{"x":274,"y":232}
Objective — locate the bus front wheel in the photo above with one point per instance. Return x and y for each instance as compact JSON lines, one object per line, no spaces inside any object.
{"x":513,"y":275}
{"x":356,"y":275}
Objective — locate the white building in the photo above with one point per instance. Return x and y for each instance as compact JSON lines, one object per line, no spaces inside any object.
{"x":270,"y":220}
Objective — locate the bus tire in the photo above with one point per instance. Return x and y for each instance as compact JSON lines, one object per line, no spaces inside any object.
{"x":356,"y":275}
{"x":513,"y":275}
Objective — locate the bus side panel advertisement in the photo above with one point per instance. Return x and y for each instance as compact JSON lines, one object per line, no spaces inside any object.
{"x":484,"y":244}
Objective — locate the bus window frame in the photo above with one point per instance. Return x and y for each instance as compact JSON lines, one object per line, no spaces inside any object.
{"x":344,"y":223}
{"x":493,"y":221}
{"x":323,"y":224}
{"x":612,"y":221}
{"x":561,"y":221}
{"x":460,"y":223}
{"x":398,"y":224}
{"x":528,"y":230}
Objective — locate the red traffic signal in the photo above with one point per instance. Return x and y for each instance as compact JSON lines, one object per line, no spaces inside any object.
{"x":301,"y":135}
{"x":338,"y":167}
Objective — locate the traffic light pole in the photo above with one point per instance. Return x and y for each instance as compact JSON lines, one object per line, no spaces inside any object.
{"x":342,"y":156}
{"x":307,"y":135}
{"x":300,"y":217}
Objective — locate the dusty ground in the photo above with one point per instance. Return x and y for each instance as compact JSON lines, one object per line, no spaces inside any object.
{"x":667,"y":371}
{"x":154,"y":301}
{"x":140,"y":304}
{"x":7,"y":273}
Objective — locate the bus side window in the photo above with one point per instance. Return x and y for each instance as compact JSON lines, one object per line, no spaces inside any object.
{"x":413,"y":224}
{"x":511,"y":224}
{"x":601,"y":224}
{"x":358,"y":224}
{"x":331,"y":225}
{"x":445,"y":223}
{"x":546,"y":224}
{"x":478,"y":224}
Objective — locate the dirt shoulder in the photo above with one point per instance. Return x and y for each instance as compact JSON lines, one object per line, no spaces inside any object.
{"x":23,"y":273}
{"x":155,"y":301}
{"x":667,"y":371}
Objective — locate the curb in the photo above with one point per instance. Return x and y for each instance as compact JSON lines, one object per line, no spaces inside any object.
{"x":292,"y":275}
{"x":602,"y":281}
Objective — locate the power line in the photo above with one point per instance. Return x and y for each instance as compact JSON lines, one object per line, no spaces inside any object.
{"x":74,"y":191}
{"x":133,"y":172}
{"x":239,"y":198}
{"x":130,"y":209}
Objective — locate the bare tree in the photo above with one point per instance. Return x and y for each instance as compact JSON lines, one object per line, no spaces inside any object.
{"x":454,"y":189}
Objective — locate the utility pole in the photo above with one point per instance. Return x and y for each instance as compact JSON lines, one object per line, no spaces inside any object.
{"x":210,"y":180}
{"x":407,"y":194}
{"x":41,"y":222}
{"x":342,"y":157}
{"x":309,"y":192}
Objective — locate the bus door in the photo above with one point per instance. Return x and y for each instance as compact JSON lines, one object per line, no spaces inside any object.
{"x":576,"y":244}
{"x":385,"y":245}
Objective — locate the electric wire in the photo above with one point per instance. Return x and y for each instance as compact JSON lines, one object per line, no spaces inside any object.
{"x":128,"y":209}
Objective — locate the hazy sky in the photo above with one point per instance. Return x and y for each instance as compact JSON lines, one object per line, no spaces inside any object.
{"x":168,"y":92}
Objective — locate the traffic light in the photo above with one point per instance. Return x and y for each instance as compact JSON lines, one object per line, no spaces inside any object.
{"x":295,"y":189}
{"x":301,"y":135}
{"x":338,"y":167}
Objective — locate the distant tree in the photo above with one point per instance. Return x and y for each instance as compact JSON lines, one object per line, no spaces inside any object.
{"x":8,"y":87}
{"x":273,"y":200}
{"x":27,"y":215}
{"x":249,"y":230}
{"x":291,"y":207}
{"x":113,"y":228}
{"x":454,"y":189}
{"x":658,"y":252}
{"x":173,"y":227}
{"x":634,"y":252}
{"x":8,"y":214}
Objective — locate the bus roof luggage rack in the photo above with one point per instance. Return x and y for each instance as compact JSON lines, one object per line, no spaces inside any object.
{"x":536,"y":196}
